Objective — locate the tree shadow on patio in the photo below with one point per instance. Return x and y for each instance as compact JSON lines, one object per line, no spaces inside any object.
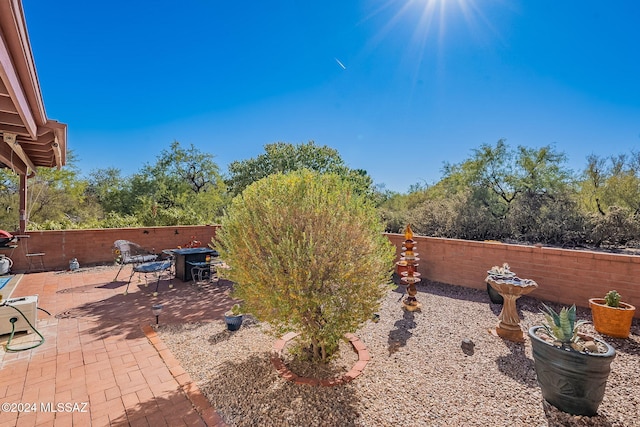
{"x":399,"y":336}
{"x":175,"y":409}
{"x":250,"y":392}
{"x":124,"y":314}
{"x":452,"y":291}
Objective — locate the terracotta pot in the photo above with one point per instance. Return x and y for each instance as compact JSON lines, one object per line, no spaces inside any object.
{"x":612,"y":321}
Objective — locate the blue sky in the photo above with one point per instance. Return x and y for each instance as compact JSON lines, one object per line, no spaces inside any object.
{"x":387,"y":83}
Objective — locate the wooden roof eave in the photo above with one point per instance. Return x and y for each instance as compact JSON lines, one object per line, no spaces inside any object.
{"x":29,"y":121}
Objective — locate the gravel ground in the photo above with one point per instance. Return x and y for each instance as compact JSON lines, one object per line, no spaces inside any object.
{"x":418,"y":376}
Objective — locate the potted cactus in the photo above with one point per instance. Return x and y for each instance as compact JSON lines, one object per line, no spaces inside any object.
{"x":572,"y":368}
{"x":611,"y":316}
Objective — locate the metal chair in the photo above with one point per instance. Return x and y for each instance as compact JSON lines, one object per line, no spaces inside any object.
{"x":203,"y":273}
{"x":156,"y":268}
{"x":127,"y":252}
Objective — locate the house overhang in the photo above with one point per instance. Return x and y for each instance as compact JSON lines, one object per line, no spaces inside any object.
{"x":29,"y":138}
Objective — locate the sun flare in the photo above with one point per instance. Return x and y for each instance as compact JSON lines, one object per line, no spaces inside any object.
{"x":429,"y":26}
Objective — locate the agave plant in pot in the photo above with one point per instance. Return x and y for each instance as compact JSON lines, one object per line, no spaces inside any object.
{"x":611,"y":316}
{"x":572,"y":368}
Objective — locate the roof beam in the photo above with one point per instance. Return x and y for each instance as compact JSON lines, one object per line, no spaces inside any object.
{"x":10,"y":140}
{"x":59,"y":145}
{"x":13,"y":162}
{"x":10,"y":119}
{"x":18,"y":130}
{"x":6,"y":105}
{"x":12,"y":82}
{"x":57,"y":153}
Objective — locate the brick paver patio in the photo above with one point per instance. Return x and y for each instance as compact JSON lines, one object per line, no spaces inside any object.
{"x":101,"y":358}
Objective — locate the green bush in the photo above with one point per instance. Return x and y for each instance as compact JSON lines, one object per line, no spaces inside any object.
{"x":618,"y":227}
{"x":307,"y":253}
{"x":556,"y":220}
{"x":458,"y":216}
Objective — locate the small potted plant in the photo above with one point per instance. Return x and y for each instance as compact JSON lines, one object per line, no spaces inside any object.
{"x":611,"y":316}
{"x":572,"y":368}
{"x":498,"y":273}
{"x":233,"y":318}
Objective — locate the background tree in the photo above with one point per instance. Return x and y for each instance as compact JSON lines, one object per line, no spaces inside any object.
{"x":9,"y":219}
{"x":396,"y":209}
{"x":183,"y":186}
{"x":285,"y":157}
{"x":307,"y":253}
{"x":111,"y":191}
{"x":56,"y":199}
{"x":500,"y":193}
{"x":610,"y":194}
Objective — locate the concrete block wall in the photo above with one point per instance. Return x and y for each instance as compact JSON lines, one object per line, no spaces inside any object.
{"x":94,"y":246}
{"x":563,"y":276}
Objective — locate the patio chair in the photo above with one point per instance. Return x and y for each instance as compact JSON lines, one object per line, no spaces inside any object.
{"x":127,"y":252}
{"x":156,"y":268}
{"x":203,"y":273}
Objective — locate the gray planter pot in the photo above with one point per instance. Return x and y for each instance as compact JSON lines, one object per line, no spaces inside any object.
{"x":494,"y":295}
{"x":233,"y":322}
{"x":572,"y":381}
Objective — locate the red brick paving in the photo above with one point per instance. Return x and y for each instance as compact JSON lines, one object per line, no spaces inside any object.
{"x":99,"y":355}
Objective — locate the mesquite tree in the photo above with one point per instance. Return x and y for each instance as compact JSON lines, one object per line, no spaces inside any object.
{"x":307,"y":253}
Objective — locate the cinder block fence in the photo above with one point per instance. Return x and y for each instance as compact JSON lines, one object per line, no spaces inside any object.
{"x":94,"y":246}
{"x":563,"y":276}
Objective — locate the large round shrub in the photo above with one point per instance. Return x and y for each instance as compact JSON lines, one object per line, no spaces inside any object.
{"x":307,"y":253}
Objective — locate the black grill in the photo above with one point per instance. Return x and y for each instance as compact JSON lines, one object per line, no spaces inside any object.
{"x":7,"y":240}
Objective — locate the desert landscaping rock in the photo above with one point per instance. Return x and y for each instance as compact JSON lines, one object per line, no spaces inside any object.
{"x":417,"y":374}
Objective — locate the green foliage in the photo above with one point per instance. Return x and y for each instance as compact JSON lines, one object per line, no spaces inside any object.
{"x":562,"y":327}
{"x":500,"y":193}
{"x":112,"y":191}
{"x":284,"y":157}
{"x":56,"y":199}
{"x":395,"y":208}
{"x":498,"y":175}
{"x":182,"y":187}
{"x":612,"y":299}
{"x":617,"y":227}
{"x":460,"y":216}
{"x":307,"y":253}
{"x":551,"y":218}
{"x":611,"y":181}
{"x":235,"y":310}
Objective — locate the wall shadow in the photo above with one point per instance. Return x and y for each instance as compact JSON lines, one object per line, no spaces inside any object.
{"x":452,"y":291}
